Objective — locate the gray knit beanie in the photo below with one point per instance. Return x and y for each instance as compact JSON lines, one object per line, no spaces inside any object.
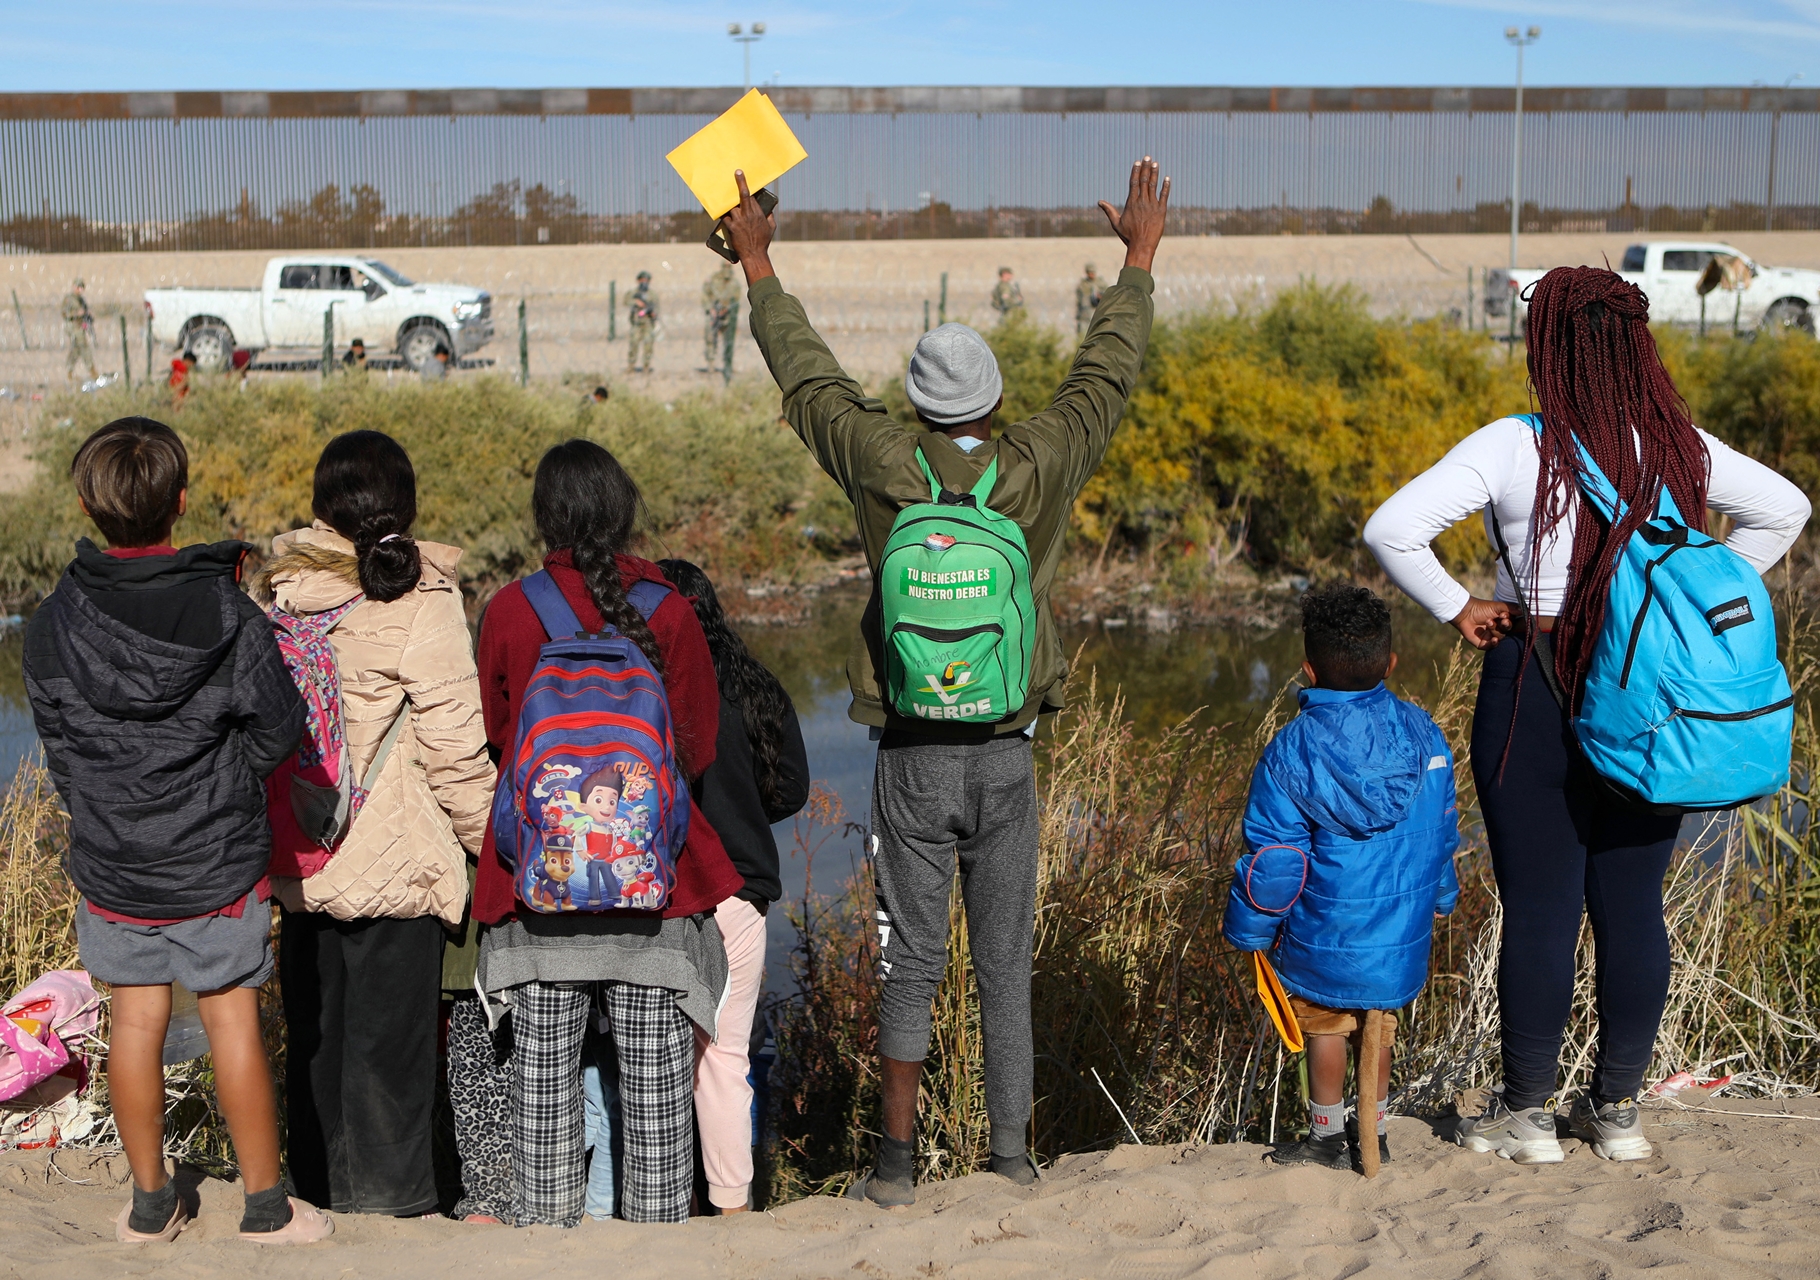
{"x":953,"y":376}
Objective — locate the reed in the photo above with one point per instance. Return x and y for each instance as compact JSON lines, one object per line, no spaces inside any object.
{"x":1147,"y":1024}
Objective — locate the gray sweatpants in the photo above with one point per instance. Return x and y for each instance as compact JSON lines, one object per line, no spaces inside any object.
{"x":930,"y":801}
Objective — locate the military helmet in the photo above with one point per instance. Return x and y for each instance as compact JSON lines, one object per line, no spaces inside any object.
{"x":644,"y":275}
{"x":1089,"y":268}
{"x":81,"y":284}
{"x":1004,"y":271}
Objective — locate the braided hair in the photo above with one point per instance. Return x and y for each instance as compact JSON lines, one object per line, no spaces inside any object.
{"x":1598,"y":379}
{"x":366,"y":490}
{"x":584,"y":501}
{"x":744,"y":681}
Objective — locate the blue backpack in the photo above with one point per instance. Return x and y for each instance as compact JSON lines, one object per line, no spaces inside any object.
{"x":1686,"y":704}
{"x":591,"y":810}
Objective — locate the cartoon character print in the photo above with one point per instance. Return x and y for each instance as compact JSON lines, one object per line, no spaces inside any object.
{"x":637,"y":875}
{"x":550,"y":879}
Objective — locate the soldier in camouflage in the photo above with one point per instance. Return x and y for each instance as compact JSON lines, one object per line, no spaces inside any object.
{"x":719,"y":295}
{"x":79,"y":330}
{"x":1086,"y":300}
{"x":1006,"y":296}
{"x":641,"y":318}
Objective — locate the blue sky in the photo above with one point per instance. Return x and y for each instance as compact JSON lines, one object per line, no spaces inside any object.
{"x":350,"y":44}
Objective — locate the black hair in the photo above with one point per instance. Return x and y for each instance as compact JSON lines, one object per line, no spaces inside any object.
{"x":189,"y":355}
{"x":744,"y":681}
{"x":582,"y":499}
{"x":358,"y":342}
{"x":601,"y":393}
{"x":366,"y":490}
{"x":442,"y":350}
{"x":1346,"y":636}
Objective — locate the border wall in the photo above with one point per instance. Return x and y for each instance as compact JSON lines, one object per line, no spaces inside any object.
{"x":102,"y":172}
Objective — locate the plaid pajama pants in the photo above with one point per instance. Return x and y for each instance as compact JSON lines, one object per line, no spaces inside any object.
{"x":655,"y":1044}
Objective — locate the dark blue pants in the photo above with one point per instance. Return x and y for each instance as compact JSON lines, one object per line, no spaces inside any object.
{"x":1561,"y":844}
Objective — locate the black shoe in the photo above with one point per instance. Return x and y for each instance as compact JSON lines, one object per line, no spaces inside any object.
{"x":1331,"y":1153}
{"x":886,"y":1194}
{"x":1352,"y":1134}
{"x":1020,"y":1169}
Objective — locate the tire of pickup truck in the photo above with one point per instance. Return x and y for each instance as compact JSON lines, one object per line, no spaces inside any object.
{"x":417,"y":342}
{"x":211,"y":340}
{"x":1789,"y":313}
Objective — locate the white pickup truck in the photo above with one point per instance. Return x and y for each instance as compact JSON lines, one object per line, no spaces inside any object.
{"x":368,"y":300}
{"x":1669,"y":271}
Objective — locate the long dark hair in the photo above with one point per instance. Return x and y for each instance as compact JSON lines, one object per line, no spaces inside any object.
{"x":584,"y":501}
{"x":744,"y":681}
{"x":1598,"y":379}
{"x":366,"y":490}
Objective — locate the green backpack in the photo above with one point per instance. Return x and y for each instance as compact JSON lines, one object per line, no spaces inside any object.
{"x":959,"y":625}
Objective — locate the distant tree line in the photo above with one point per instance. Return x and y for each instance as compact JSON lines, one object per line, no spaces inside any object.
{"x":512,"y":213}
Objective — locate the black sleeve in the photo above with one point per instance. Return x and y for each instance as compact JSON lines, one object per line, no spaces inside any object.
{"x":41,"y":665}
{"x":266,"y":702}
{"x":792,"y":771}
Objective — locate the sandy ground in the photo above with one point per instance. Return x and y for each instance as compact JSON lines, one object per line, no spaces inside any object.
{"x":1726,"y":1195}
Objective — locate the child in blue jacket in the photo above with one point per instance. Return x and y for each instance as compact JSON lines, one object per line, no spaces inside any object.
{"x":1350,"y":831}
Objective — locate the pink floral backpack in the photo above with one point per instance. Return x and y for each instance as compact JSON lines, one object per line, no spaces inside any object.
{"x":312,"y":798}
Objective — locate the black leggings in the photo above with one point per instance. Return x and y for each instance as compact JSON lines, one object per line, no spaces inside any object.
{"x":1561,"y":843}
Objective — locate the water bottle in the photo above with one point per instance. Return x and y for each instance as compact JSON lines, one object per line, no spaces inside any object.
{"x":184,"y":1039}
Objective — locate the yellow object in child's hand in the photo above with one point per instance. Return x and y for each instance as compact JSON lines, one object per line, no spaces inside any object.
{"x":751,"y":136}
{"x":1276,"y":1003}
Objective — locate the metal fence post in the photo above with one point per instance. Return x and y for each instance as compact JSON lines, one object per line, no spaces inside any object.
{"x":941,"y":312}
{"x":612,"y":310}
{"x":726,"y":370}
{"x":25,"y":343}
{"x":1469,"y":272}
{"x":126,"y":357}
{"x":328,"y":341}
{"x":925,"y":315}
{"x":148,"y":351}
{"x":524,"y":347}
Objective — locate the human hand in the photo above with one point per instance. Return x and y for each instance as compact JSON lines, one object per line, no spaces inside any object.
{"x":1485,"y":622}
{"x":1140,"y":226}
{"x":749,"y":230}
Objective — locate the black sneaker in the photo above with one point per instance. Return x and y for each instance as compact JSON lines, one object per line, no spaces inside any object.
{"x":1019,"y":1169}
{"x":887,"y":1194}
{"x":1331,"y":1153}
{"x":1352,"y":1134}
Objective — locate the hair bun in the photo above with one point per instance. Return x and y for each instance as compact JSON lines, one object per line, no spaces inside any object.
{"x":389,"y":566}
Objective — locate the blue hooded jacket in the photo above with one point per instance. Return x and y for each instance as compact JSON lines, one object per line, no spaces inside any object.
{"x":1350,"y":832}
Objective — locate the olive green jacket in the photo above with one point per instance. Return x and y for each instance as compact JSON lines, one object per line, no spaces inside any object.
{"x":1043,"y":463}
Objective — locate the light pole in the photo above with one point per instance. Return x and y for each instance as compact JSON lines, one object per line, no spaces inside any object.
{"x":746,"y":37}
{"x":1521,"y":39}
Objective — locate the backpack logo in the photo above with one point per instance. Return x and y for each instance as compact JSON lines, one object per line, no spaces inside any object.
{"x":953,"y":676}
{"x":1733,"y":613}
{"x":938,"y":542}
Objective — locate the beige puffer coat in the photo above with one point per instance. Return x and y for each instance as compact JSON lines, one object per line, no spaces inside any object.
{"x":404,"y":856}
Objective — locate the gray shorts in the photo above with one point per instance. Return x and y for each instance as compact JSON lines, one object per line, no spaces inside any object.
{"x":209,"y":954}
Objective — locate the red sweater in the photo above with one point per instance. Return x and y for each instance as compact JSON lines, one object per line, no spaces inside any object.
{"x":510,"y":637}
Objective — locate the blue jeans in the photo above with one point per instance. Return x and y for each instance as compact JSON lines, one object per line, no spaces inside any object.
{"x":600,"y":1107}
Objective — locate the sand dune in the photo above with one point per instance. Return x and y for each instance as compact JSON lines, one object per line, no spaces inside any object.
{"x":1726,"y":1195}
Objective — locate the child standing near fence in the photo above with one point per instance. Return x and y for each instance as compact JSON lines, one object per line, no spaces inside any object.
{"x":1350,"y":830}
{"x":162,"y":704}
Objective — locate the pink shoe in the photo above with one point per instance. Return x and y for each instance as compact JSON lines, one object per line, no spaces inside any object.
{"x":180,"y":1218}
{"x":308,"y":1224}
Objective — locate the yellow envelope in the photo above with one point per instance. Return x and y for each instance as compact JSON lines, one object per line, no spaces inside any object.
{"x":749,"y":135}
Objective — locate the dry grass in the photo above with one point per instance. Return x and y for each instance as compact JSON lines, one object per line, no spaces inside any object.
{"x":1146,"y":1022}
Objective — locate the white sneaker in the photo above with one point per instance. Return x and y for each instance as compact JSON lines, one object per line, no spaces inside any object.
{"x":1613,"y":1131}
{"x":1524,"y":1137}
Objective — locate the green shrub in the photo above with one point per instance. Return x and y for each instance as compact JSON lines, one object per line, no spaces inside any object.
{"x":724,"y":481}
{"x":1760,"y":393}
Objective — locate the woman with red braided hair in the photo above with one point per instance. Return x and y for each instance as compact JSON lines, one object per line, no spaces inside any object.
{"x":1562,"y":844}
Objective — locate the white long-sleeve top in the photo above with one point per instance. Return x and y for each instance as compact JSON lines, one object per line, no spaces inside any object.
{"x":1494,"y":470}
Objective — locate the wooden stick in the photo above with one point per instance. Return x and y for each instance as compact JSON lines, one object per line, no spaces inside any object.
{"x":1371,"y":1039}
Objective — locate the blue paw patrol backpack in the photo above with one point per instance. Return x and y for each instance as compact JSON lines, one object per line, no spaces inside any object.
{"x":591,"y":810}
{"x":1686,"y":704}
